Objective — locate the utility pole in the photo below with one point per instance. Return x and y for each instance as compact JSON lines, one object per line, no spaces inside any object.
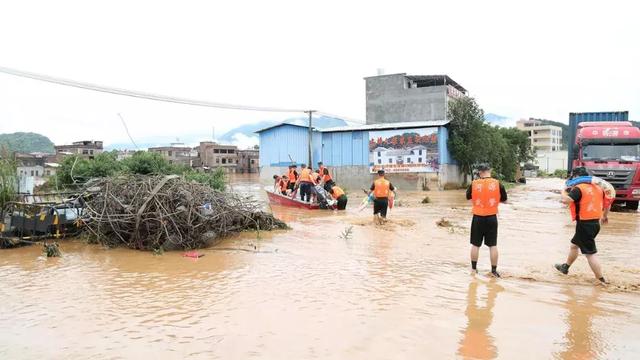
{"x":310,"y":112}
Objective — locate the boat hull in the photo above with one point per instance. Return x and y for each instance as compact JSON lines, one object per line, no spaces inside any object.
{"x":283,"y":200}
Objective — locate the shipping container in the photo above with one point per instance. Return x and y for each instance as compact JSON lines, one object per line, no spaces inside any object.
{"x":576,"y":118}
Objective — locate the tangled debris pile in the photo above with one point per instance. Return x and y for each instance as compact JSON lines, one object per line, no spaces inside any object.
{"x":166,"y":212}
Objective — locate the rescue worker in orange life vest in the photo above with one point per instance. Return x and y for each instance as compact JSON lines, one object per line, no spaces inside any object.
{"x":340,"y":196}
{"x":305,"y":182}
{"x":327,"y":180}
{"x":485,"y":194}
{"x":586,"y":202}
{"x":381,"y":189}
{"x":293,"y":177}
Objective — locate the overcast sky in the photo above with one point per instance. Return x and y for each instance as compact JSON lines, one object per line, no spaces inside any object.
{"x":519,"y":59}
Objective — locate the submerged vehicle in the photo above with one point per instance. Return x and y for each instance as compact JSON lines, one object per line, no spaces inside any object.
{"x":25,"y":222}
{"x":610,"y":150}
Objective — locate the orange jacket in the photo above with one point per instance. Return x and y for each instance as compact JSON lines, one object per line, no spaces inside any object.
{"x":305,"y":176}
{"x":381,"y":188}
{"x":337,"y":192}
{"x":485,"y":196}
{"x":591,"y":203}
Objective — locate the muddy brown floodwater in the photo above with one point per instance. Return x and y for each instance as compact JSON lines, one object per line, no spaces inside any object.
{"x":399,"y":291}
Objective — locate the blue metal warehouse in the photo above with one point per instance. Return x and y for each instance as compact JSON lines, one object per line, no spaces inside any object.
{"x":414,"y":154}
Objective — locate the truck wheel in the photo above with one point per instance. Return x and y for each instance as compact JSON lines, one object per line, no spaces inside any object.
{"x":632,"y":205}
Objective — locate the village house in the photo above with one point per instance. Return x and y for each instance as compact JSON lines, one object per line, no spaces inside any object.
{"x":213,"y":155}
{"x":86,"y":149}
{"x":248,"y":160}
{"x":175,"y":154}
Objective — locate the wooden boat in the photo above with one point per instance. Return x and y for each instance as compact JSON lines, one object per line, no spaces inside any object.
{"x":285,"y":200}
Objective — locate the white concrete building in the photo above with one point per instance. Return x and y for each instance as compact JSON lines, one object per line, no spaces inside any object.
{"x":542,"y":137}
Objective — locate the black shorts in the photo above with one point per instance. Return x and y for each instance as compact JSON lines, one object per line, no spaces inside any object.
{"x":484,"y":228}
{"x":585,"y":237}
{"x":342,"y":202}
{"x":380,"y":206}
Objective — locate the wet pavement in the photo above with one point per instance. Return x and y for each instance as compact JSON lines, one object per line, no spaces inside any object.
{"x":400,"y":291}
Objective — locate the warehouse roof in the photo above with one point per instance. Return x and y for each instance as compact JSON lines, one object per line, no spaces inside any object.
{"x":281,"y":124}
{"x":388,"y":126}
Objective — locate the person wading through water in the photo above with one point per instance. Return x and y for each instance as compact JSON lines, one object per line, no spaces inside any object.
{"x":340,"y":196}
{"x":587,"y":206}
{"x":305,"y":182}
{"x":485,"y":194}
{"x":381,"y":189}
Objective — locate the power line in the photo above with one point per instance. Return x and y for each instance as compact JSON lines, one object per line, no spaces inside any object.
{"x":126,"y":128}
{"x":158,"y":97}
{"x":140,"y":94}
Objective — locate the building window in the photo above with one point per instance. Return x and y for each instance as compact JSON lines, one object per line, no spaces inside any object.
{"x":379,"y":153}
{"x":170,"y":153}
{"x":253,"y":161}
{"x":85,"y":152}
{"x":224,"y":161}
{"x":419,"y":160}
{"x":31,"y":172}
{"x":217,"y":160}
{"x":91,"y":152}
{"x":390,"y":161}
{"x":419,"y":152}
{"x":48,"y":172}
{"x":231,"y":151}
{"x":408,"y":160}
{"x":379,"y":161}
{"x":223,"y":151}
{"x":216,"y":151}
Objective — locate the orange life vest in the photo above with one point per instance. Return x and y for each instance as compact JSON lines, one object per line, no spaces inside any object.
{"x":381,"y":188}
{"x":292,"y":175}
{"x":591,"y":203}
{"x":337,"y":192}
{"x":485,"y":196}
{"x":321,"y":170}
{"x":305,"y":175}
{"x":326,"y":178}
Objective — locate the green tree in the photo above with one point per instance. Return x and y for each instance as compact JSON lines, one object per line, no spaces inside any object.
{"x":8,"y":178}
{"x":215,"y":179}
{"x":468,"y":134}
{"x":146,"y":163}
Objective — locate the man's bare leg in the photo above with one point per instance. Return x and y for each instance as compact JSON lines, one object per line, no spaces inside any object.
{"x":475,"y":252}
{"x":571,"y":258}
{"x":595,"y":266}
{"x":493,"y":251}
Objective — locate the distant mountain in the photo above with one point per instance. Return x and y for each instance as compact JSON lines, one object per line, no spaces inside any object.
{"x":245,"y":134}
{"x":26,"y":142}
{"x":499,"y":120}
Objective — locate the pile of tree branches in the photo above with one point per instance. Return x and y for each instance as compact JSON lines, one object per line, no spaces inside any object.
{"x":166,"y":212}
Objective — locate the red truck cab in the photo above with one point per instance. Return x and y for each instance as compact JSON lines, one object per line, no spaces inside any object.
{"x":611,"y":150}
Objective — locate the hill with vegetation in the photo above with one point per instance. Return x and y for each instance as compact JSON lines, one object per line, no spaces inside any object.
{"x":26,"y":142}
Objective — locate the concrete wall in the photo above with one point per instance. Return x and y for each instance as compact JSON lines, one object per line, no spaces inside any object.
{"x":389,"y":100}
{"x":550,"y":161}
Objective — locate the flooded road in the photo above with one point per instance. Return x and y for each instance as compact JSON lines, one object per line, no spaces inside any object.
{"x":398,"y":291}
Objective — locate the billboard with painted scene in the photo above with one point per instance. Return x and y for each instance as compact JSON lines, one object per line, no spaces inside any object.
{"x":404,"y":150}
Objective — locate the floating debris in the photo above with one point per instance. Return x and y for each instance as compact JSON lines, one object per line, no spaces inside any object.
{"x":444,"y":223}
{"x":51,"y":249}
{"x":167,"y":212}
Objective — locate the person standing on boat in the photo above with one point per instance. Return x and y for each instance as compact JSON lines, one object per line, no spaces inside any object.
{"x":305,"y":183}
{"x":381,"y":189}
{"x":339,"y":195}
{"x":293,"y":177}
